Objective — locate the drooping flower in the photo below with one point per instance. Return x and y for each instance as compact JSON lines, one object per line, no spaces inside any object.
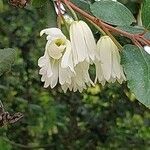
{"x":56,"y":64}
{"x":82,"y":42}
{"x":108,"y":66}
{"x":83,"y":51}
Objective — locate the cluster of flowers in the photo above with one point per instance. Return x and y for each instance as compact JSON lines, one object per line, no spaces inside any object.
{"x":68,"y":61}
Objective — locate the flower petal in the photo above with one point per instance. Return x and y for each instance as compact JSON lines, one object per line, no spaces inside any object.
{"x":104,"y":47}
{"x":51,"y":31}
{"x":54,"y":77}
{"x":79,"y":47}
{"x":99,"y":73}
{"x":65,"y":75}
{"x":42,"y":60}
{"x":116,"y":61}
{"x":67,"y":59}
{"x":53,"y":50}
{"x":89,"y":40}
{"x":80,"y":80}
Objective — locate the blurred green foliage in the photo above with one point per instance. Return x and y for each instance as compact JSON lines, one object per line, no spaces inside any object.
{"x":101,"y":118}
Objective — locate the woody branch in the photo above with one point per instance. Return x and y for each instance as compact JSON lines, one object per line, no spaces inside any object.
{"x":137,"y":39}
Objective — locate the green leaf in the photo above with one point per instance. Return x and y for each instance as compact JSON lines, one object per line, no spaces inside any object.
{"x":38,"y":3}
{"x":146,"y":13}
{"x":136,"y":63}
{"x":7,"y":57}
{"x":112,"y":12}
{"x":132,"y":29}
{"x":83,"y":4}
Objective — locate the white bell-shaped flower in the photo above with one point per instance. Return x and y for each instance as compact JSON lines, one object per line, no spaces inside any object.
{"x":57,"y":63}
{"x":82,"y":42}
{"x":108,"y":66}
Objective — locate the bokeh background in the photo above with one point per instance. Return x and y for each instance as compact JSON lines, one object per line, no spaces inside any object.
{"x":101,"y":118}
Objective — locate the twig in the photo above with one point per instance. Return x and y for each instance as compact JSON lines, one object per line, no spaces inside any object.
{"x":106,"y":27}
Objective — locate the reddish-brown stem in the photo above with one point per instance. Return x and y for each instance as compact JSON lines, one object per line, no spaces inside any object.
{"x":136,"y":38}
{"x":137,"y":43}
{"x":142,"y":41}
{"x":147,"y":41}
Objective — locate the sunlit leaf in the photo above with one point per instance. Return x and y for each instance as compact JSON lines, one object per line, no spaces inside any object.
{"x":112,"y":12}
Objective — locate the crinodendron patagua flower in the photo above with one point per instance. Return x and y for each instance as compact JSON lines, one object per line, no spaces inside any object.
{"x":83,"y":51}
{"x":108,"y":66}
{"x":57,"y":63}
